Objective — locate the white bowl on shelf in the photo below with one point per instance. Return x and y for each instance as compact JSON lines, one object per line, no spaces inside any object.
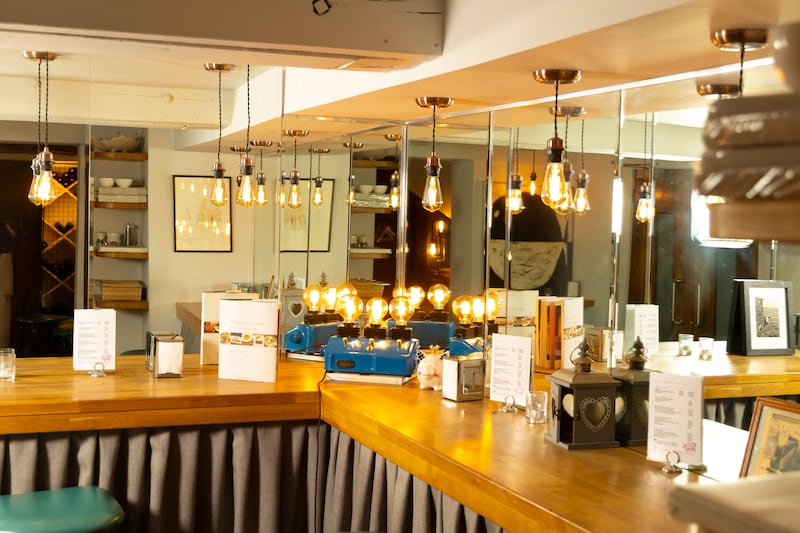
{"x":380,"y":189}
{"x":123,"y":182}
{"x":106,"y":182}
{"x":114,"y":238}
{"x":365,"y":189}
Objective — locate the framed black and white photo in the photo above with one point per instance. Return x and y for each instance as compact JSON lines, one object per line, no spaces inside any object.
{"x":199,"y":225}
{"x":761,"y":319}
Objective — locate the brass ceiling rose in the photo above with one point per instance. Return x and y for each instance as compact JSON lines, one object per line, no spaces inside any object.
{"x":35,"y":55}
{"x":733,"y":39}
{"x":434,"y":101}
{"x":353,"y":144}
{"x":553,"y":75}
{"x":718,"y":90}
{"x":240,"y":149}
{"x":321,"y":150}
{"x":218,"y":67}
{"x":295,"y":133}
{"x":261,"y":144}
{"x":570,"y":111}
{"x":393,"y":137}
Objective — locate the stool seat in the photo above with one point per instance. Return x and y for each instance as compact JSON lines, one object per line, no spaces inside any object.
{"x":67,"y":510}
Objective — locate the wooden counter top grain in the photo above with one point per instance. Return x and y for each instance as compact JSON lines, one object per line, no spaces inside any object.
{"x":48,"y":395}
{"x":502,"y":468}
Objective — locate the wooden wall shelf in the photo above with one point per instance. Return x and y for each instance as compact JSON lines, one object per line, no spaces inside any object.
{"x":136,"y":256}
{"x":121,"y":304}
{"x":120,"y":156}
{"x":120,"y":205}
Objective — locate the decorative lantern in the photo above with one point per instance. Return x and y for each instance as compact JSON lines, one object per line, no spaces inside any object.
{"x":583,"y":405}
{"x":634,"y":393}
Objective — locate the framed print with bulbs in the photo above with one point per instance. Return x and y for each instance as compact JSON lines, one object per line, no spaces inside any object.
{"x":306,"y":223}
{"x":200,"y":224}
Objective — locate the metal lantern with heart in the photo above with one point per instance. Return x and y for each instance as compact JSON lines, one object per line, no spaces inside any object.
{"x":633,"y":396}
{"x":583,"y":405}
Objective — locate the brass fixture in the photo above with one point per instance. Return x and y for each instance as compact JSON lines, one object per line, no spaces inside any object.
{"x":294,"y":200}
{"x":42,"y":190}
{"x":432,"y":196}
{"x":219,"y":192}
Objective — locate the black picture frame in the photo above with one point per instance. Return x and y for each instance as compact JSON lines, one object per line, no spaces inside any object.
{"x":761,"y":318}
{"x":198,"y":225}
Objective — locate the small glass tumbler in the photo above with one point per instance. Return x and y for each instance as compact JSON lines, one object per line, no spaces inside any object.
{"x":8,"y":364}
{"x":536,"y":407}
{"x":706,"y":348}
{"x":685,"y":341}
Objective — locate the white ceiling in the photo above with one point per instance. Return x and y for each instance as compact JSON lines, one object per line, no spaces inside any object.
{"x":483,"y":57}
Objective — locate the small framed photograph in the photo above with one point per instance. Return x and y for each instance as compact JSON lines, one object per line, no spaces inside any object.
{"x":762,"y":314}
{"x":774,"y":443}
{"x":200,"y":226}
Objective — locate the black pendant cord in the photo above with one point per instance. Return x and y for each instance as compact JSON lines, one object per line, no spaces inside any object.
{"x":39,"y":124}
{"x":555,"y":113}
{"x":319,"y":163}
{"x":566,"y":135}
{"x":46,"y":100}
{"x":247,"y":142}
{"x":295,"y":153}
{"x":515,"y":144}
{"x":644,"y":149}
{"x":261,"y":160}
{"x":219,"y":107}
{"x":433,"y":144}
{"x":741,"y":69}
{"x":583,"y":165}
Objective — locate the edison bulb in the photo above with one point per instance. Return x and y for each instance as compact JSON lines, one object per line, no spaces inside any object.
{"x":34,"y":188}
{"x":245,"y":196}
{"x":376,"y":309}
{"x":553,"y":184}
{"x":349,"y":307}
{"x":401,"y":309}
{"x":581,"y":194}
{"x":416,"y":294}
{"x":532,"y":189}
{"x":433,"y":251}
{"x":294,"y":200}
{"x":281,"y":199}
{"x":394,"y":193}
{"x":478,"y":308}
{"x":515,"y":195}
{"x":462,"y":308}
{"x":492,"y":306}
{"x":438,"y":296}
{"x":432,"y":194}
{"x":329,"y":297}
{"x":219,"y":192}
{"x":317,"y":197}
{"x":312,"y":296}
{"x":645,"y":210}
{"x":261,"y":190}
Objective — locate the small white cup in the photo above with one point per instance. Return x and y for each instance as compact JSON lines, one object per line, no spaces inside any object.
{"x":8,"y":364}
{"x":685,"y":341}
{"x":536,"y":407}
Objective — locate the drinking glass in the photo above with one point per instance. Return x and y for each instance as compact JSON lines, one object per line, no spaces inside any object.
{"x":536,"y":407}
{"x":8,"y":364}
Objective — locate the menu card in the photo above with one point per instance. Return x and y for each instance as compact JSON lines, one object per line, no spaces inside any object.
{"x":510,"y":371}
{"x":641,"y":320}
{"x":94,"y":339}
{"x":675,"y":419}
{"x":209,"y":317}
{"x":248,"y":339}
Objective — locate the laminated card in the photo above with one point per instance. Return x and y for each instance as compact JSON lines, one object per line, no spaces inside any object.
{"x":641,"y":320}
{"x":510,"y":369}
{"x":94,"y":339}
{"x":248,"y":339}
{"x":209,"y":317}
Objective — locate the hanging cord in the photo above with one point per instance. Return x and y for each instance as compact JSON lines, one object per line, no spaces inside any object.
{"x":741,"y":69}
{"x":583,"y":165}
{"x":247,"y":143}
{"x":433,"y":144}
{"x":295,"y":153}
{"x":566,"y":135}
{"x":515,"y":144}
{"x":39,"y":124}
{"x":219,"y":101}
{"x":46,"y":100}
{"x":319,"y":163}
{"x":652,"y":149}
{"x":261,"y":160}
{"x":644,"y":157}
{"x":555,"y":114}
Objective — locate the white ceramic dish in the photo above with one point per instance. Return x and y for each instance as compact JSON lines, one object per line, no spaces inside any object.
{"x":365,"y":189}
{"x":380,"y":189}
{"x":106,"y":182}
{"x":114,"y":238}
{"x":123,"y":182}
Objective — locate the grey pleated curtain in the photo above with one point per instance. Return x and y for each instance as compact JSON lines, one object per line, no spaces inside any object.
{"x":284,"y":476}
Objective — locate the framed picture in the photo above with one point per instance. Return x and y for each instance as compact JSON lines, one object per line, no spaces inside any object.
{"x":774,"y":443}
{"x":199,"y":225}
{"x":308,"y":227}
{"x":761,"y":320}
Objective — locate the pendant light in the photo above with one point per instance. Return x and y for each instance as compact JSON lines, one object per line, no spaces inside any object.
{"x":246,"y":194}
{"x":261,"y":179}
{"x":645,"y":209}
{"x":394,"y":180}
{"x":350,"y":199}
{"x":42,"y":190}
{"x":515,"y":189}
{"x":219,"y":191}
{"x":581,"y":193}
{"x":432,"y":194}
{"x":532,"y":188}
{"x":553,"y":184}
{"x":294,"y":200}
{"x":567,"y":203}
{"x":316,"y":198}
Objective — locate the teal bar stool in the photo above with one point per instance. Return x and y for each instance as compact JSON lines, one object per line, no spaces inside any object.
{"x":68,"y":510}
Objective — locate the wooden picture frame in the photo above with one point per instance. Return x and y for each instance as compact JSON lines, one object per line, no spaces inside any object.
{"x":199,"y":225}
{"x":774,"y":443}
{"x":761,"y":318}
{"x":308,"y":227}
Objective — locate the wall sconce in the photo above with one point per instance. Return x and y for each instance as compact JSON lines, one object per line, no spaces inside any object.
{"x":432,"y":195}
{"x":261,"y":179}
{"x":42,"y":191}
{"x":438,"y":296}
{"x":316,"y":198}
{"x":219,"y":191}
{"x":553,"y":185}
{"x":294,"y":200}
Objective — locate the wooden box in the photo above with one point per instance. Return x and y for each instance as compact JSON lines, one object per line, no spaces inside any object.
{"x":121,"y":290}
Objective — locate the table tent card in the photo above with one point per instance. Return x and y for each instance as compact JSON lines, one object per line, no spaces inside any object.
{"x":94,"y":339}
{"x":675,"y":419}
{"x":248,"y":339}
{"x":209,"y":318}
{"x":510,"y":369}
{"x":641,"y":320}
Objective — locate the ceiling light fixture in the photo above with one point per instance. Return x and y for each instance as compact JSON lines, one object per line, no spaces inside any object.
{"x":646,"y":209}
{"x":532,"y":189}
{"x":42,"y":190}
{"x":514,"y":202}
{"x":294,"y":200}
{"x":317,"y":198}
{"x":432,"y":195}
{"x":581,"y":201}
{"x":740,"y":40}
{"x":553,"y":185}
{"x":394,"y":180}
{"x":245,"y":194}
{"x":219,"y":191}
{"x":567,"y":203}
{"x":261,"y":178}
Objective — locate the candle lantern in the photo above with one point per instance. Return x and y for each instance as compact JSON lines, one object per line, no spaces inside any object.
{"x":633,"y":397}
{"x":582,"y":405}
